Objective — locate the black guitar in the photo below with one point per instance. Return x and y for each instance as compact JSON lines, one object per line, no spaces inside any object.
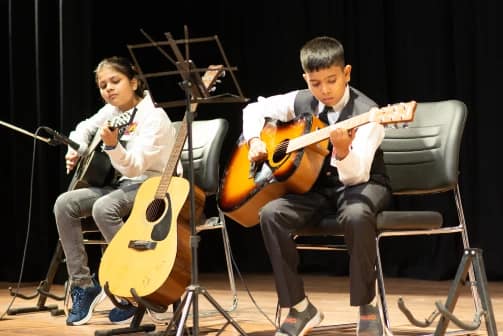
{"x":94,"y":167}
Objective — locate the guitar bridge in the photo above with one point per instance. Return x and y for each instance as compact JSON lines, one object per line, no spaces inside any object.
{"x":142,"y":245}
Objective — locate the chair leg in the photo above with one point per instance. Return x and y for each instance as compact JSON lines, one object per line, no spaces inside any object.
{"x":228,"y":259}
{"x":381,"y":290}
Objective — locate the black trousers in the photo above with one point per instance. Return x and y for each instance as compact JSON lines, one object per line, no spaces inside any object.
{"x":356,"y":207}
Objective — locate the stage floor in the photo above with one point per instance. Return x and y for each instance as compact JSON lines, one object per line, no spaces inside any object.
{"x":256,"y":308}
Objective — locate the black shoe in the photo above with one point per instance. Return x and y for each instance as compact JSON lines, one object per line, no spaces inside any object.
{"x":370,"y":321}
{"x":300,"y":323}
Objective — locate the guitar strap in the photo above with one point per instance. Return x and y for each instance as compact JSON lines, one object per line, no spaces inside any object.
{"x":117,"y":174}
{"x":123,"y":128}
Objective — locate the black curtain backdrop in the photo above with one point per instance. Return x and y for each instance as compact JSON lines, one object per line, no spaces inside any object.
{"x":425,"y":50}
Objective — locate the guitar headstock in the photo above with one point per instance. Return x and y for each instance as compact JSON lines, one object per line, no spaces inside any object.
{"x":212,"y":75}
{"x":394,"y":114}
{"x":209,"y":80}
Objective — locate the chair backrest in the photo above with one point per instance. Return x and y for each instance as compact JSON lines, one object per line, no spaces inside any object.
{"x":424,"y":157}
{"x":207,"y":140}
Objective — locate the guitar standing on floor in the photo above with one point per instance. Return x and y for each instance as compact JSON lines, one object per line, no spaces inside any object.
{"x":149,"y":258}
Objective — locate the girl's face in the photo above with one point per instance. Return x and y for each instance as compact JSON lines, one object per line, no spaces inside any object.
{"x":116,"y":89}
{"x":328,"y":85}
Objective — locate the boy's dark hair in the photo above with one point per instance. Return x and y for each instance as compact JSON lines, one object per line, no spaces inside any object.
{"x":320,"y":53}
{"x":124,"y":66}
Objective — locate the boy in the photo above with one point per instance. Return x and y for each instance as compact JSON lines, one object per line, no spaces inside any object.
{"x":352,"y":183}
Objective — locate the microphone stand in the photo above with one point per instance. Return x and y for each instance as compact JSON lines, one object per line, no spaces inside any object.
{"x":42,"y":291}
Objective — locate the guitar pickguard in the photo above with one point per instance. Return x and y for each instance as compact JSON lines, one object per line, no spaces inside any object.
{"x":161,"y":229}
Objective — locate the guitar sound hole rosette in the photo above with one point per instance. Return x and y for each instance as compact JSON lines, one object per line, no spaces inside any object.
{"x":280,"y":151}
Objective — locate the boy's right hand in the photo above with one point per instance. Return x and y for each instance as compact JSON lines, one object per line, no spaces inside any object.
{"x":257,"y":150}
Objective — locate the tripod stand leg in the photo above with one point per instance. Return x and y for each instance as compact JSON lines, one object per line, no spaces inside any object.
{"x":181,"y":314}
{"x":471,"y":258}
{"x":480,"y":274}
{"x":222,"y":311}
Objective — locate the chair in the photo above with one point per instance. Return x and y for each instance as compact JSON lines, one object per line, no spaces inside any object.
{"x":421,"y":159}
{"x":207,"y":140}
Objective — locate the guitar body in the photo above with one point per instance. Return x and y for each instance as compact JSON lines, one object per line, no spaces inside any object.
{"x":161,"y":273}
{"x":242,"y":196}
{"x":295,"y":151}
{"x":94,"y":169}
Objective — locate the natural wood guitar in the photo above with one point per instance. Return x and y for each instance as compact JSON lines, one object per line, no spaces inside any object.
{"x":150,"y":256}
{"x":295,"y":154}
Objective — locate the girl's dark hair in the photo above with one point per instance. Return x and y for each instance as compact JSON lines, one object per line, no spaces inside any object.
{"x":124,"y":66}
{"x":320,"y":53}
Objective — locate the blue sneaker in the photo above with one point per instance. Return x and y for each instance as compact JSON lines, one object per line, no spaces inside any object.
{"x":84,"y":300}
{"x":122,"y":316}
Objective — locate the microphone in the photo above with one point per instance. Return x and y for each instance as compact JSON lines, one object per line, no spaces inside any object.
{"x":59,"y":138}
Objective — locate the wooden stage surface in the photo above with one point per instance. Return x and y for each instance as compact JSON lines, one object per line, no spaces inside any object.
{"x":256,"y":308}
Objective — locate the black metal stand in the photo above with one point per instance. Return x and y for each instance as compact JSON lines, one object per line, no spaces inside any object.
{"x":471,"y":257}
{"x":134,"y":327}
{"x":196,"y":91}
{"x":190,"y":299}
{"x":42,"y":290}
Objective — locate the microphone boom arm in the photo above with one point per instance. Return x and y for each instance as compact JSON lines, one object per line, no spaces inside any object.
{"x":25,"y":132}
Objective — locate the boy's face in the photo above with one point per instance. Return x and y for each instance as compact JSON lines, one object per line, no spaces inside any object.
{"x":328,"y":85}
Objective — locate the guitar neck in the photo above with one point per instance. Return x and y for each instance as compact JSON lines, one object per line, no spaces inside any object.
{"x":324,"y":133}
{"x":173,"y":160}
{"x":209,"y":79}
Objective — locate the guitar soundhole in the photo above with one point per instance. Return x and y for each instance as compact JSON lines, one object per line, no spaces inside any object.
{"x":280,"y":151}
{"x":155,"y":210}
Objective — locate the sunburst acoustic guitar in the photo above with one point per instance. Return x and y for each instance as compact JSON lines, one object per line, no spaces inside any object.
{"x":296,"y":151}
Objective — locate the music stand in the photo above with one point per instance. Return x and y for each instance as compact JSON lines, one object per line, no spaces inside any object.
{"x":196,"y":92}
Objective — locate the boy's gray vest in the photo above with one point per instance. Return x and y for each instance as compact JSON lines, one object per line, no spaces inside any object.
{"x":306,"y":103}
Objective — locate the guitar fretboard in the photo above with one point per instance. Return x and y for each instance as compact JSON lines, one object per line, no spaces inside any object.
{"x":396,"y":113}
{"x":324,"y":133}
{"x":162,"y":189}
{"x":209,"y":78}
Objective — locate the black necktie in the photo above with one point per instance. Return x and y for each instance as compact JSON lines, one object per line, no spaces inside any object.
{"x":324,"y":114}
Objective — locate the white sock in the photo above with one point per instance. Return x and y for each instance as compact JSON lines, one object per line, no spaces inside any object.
{"x":374,"y":301}
{"x":302,"y":305}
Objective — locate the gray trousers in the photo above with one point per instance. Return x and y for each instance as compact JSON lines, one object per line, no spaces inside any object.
{"x":108,"y":206}
{"x":356,"y":207}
